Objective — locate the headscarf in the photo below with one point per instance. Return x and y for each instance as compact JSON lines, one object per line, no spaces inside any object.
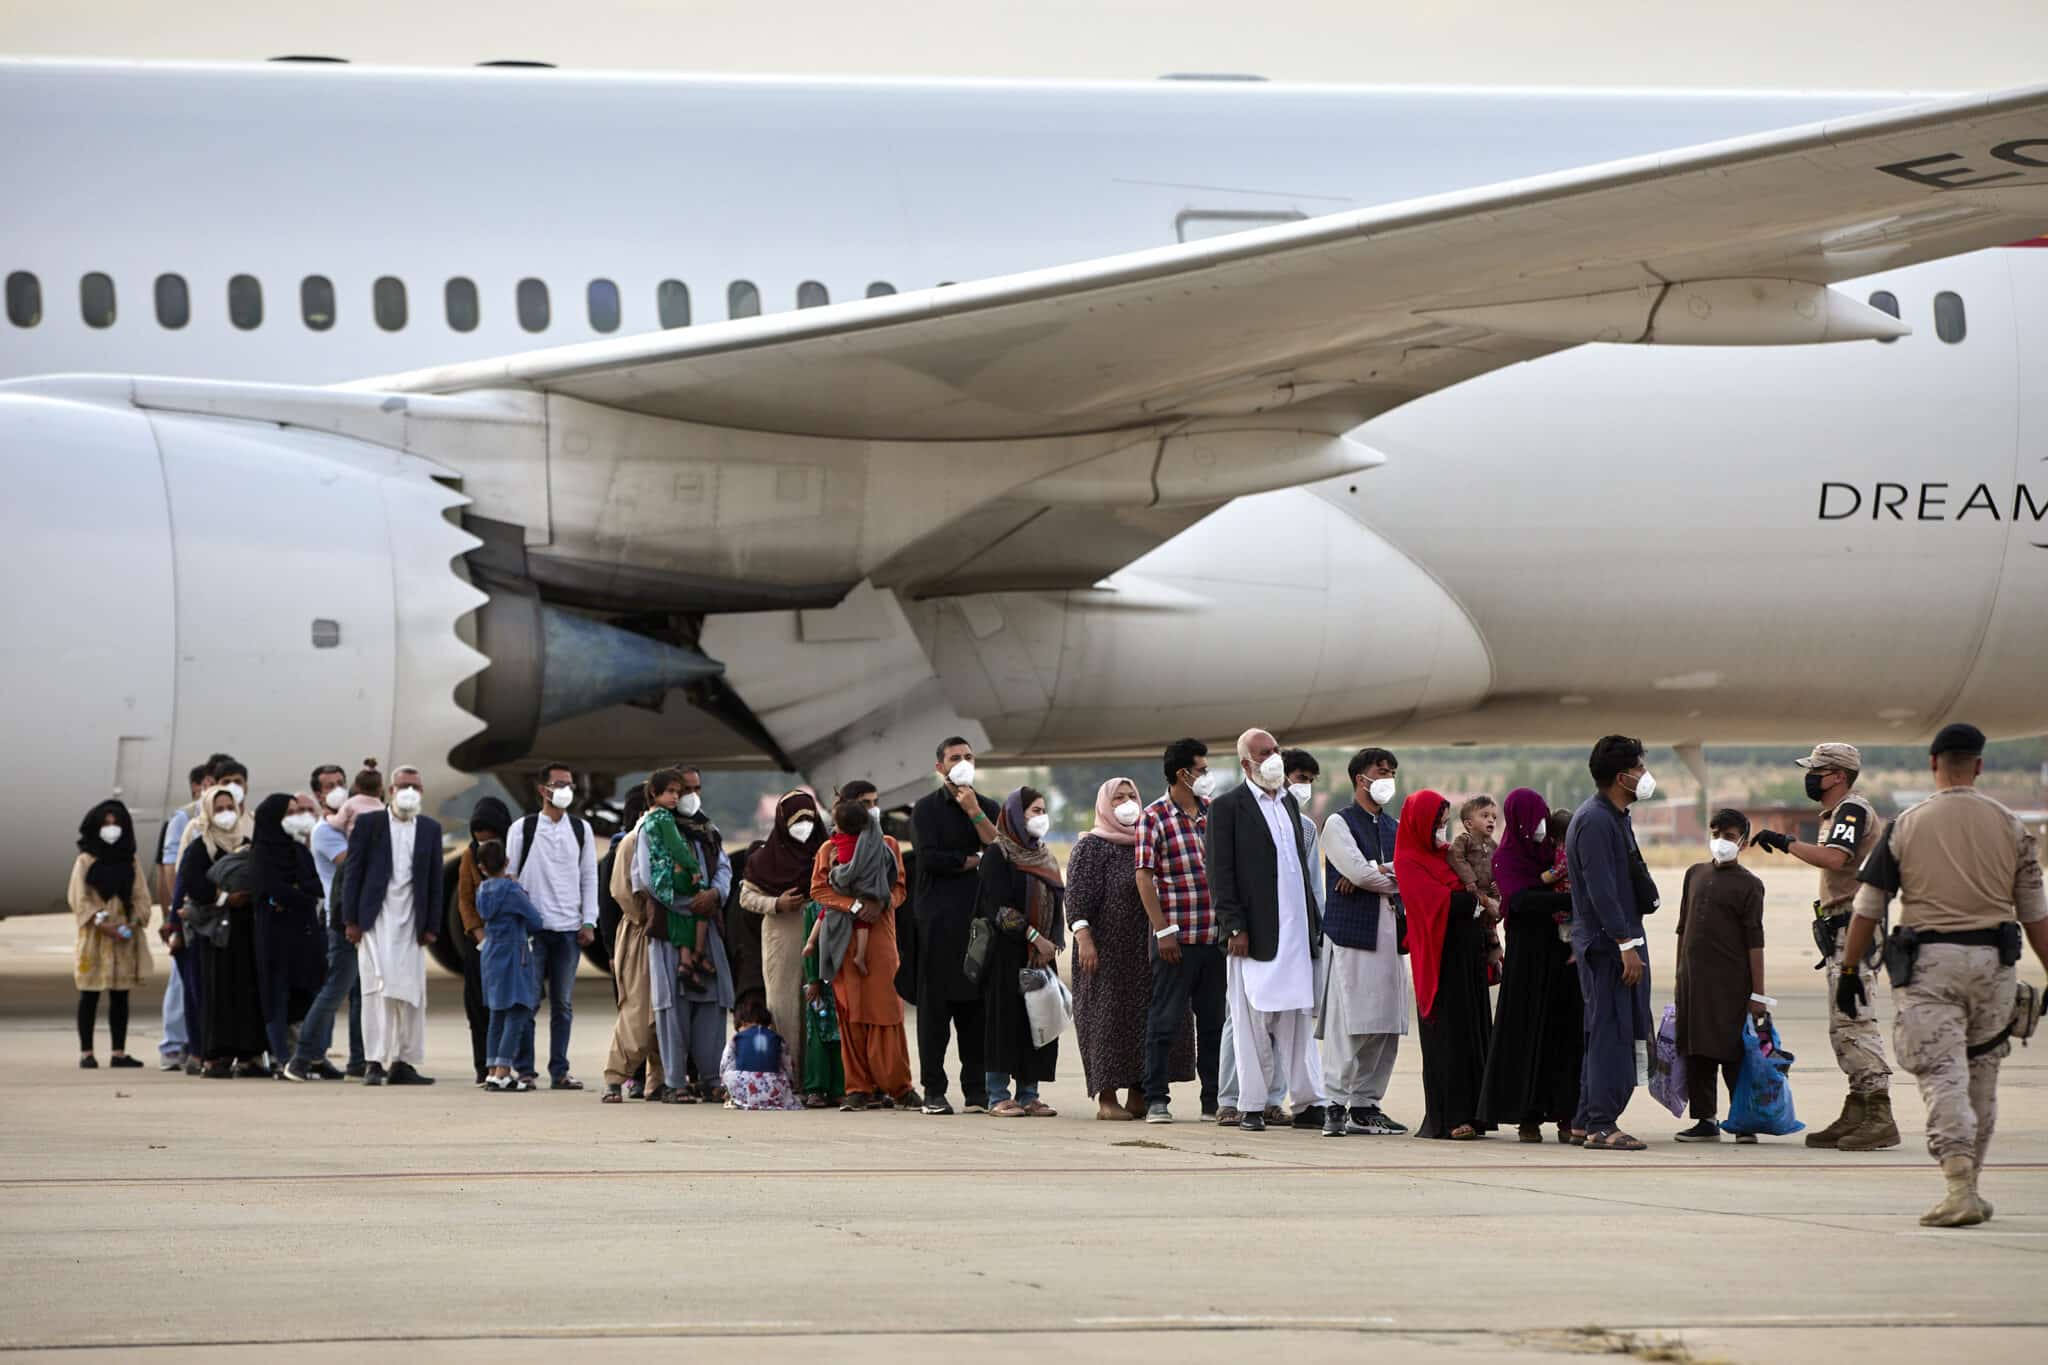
{"x":779,"y":863}
{"x":1525,"y":851}
{"x":1031,"y":857}
{"x":111,"y":873}
{"x":345,"y":818}
{"x":274,"y":852}
{"x":1426,"y":879}
{"x":490,"y":815}
{"x":221,"y":842}
{"x":1107,"y":826}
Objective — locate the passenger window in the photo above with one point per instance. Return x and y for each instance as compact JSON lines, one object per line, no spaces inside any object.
{"x":173,"y":301}
{"x":96,"y":299}
{"x":742,"y":300}
{"x":533,"y":305}
{"x":461,"y":300}
{"x":880,"y":289}
{"x":672,"y":303}
{"x":387,"y":302}
{"x":1885,"y":301}
{"x":603,"y":298}
{"x":24,"y":299}
{"x":1949,"y":323}
{"x":245,"y":302}
{"x":316,"y":302}
{"x":811,"y":294}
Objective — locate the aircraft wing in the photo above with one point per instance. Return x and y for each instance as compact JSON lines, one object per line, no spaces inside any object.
{"x":1727,"y":243}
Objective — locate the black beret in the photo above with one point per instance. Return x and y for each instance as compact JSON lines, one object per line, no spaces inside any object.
{"x":1957,"y":737}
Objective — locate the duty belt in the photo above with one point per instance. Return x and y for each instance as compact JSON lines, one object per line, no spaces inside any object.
{"x":1967,"y":938}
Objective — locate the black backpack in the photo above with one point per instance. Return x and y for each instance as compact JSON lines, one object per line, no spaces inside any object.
{"x":526,"y":831}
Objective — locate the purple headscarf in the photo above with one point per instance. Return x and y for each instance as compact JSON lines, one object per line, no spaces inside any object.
{"x":1525,"y":851}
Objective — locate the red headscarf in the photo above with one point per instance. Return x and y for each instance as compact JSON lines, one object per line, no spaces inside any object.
{"x":1426,"y":880}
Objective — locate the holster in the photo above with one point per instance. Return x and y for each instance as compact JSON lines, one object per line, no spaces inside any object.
{"x":2008,"y":943}
{"x":1823,"y":939}
{"x":1901,"y":946}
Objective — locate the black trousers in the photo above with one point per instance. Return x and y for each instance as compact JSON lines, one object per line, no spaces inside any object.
{"x":1699,"y":1083}
{"x":117,"y":1018}
{"x":473,"y":1000}
{"x":1197,"y":980}
{"x":936,"y":1021}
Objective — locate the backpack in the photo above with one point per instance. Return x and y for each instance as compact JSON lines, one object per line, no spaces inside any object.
{"x":526,"y":831}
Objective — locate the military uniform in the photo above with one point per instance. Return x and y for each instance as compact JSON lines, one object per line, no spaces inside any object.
{"x":1852,"y":824}
{"x":1962,"y":865}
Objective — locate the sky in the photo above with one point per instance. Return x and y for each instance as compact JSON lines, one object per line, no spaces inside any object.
{"x":1748,"y":44}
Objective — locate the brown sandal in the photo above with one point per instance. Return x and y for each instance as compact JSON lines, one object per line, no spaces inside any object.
{"x":1009,"y":1109}
{"x":1614,"y":1141}
{"x":1039,"y":1109}
{"x":1464,"y":1132}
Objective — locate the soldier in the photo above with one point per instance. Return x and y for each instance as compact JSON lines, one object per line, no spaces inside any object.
{"x":1849,"y":829}
{"x":1969,"y":883}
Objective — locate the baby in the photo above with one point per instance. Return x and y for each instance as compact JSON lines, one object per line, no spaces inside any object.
{"x":1471,"y":858}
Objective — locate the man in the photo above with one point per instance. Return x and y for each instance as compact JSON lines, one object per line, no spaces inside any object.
{"x":171,"y":1051}
{"x":689,"y":1015}
{"x":1849,"y":828}
{"x":330,"y":851}
{"x":948,"y":828}
{"x":1364,"y":1008}
{"x":1266,"y":911}
{"x":1968,"y":879}
{"x":392,"y":907}
{"x":1187,"y":960}
{"x":554,"y":856}
{"x":1611,"y":892}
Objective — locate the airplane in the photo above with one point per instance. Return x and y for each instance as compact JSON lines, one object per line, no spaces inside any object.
{"x":463,"y":417}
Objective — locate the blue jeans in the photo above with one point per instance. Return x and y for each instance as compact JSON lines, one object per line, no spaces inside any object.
{"x":999,"y":1090}
{"x":175,"y":1041}
{"x":316,"y":1033}
{"x":509,"y":1028}
{"x":557,"y":953}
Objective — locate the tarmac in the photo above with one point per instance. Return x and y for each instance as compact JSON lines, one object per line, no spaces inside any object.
{"x":241,"y":1221}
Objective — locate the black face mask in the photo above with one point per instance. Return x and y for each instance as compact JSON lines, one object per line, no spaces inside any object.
{"x":1813,"y":786}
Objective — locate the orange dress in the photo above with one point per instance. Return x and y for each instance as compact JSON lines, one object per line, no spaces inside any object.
{"x":872,"y":1043}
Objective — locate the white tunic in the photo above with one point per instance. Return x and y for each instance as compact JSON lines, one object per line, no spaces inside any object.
{"x":1288,"y":981}
{"x":1367,"y":992}
{"x":392,"y":962}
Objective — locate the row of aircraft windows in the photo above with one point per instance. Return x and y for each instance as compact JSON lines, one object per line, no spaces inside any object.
{"x":388,"y":306}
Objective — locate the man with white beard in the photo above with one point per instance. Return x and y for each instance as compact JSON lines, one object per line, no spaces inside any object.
{"x":391,"y":912}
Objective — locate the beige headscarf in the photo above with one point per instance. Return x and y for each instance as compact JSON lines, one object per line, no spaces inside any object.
{"x":220,"y":842}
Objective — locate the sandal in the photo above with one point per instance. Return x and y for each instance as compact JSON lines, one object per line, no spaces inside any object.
{"x":816,"y":1102}
{"x":612,"y":1096}
{"x":1039,"y":1109}
{"x":1574,"y":1139}
{"x":1009,"y":1109}
{"x":1614,"y":1140}
{"x":1464,"y":1132}
{"x":678,"y":1095}
{"x":1564,"y":1134}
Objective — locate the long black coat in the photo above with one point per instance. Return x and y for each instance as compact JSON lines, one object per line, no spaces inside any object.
{"x":943,"y":899}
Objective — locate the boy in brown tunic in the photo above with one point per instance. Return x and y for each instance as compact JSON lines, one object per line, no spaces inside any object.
{"x":1720,"y":969}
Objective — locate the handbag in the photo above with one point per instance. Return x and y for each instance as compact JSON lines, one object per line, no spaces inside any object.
{"x":1668,"y":1080}
{"x":1048,"y":1005}
{"x":980,"y":937}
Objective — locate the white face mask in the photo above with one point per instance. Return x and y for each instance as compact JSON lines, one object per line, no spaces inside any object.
{"x":110,"y":834}
{"x":874,"y":815}
{"x":406,"y":801}
{"x":225,"y":819}
{"x":1037,"y":825}
{"x":1204,"y":786}
{"x":335,"y":798}
{"x":1127,"y":813}
{"x":961,"y":774}
{"x":562,"y":797}
{"x":1381,"y":790}
{"x":800,"y":830}
{"x":238,"y":791}
{"x":1270,"y":771}
{"x":1443,"y":836}
{"x":1724,"y":850}
{"x":690,"y":804}
{"x":299,"y":825}
{"x":1646,"y":786}
{"x":1300,"y":791}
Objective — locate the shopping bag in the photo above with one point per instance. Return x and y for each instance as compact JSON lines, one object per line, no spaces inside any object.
{"x":1667,"y":1066}
{"x":1047,"y":1004}
{"x":1762,"y":1102}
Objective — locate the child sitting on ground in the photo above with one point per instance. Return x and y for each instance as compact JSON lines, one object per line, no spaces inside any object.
{"x":505,"y":961}
{"x":757,"y":1069}
{"x":1471,"y":857}
{"x":675,"y":873}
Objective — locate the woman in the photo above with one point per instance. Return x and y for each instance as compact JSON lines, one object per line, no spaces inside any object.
{"x":1447,"y":953}
{"x":776,"y":888}
{"x":1532,"y":1069}
{"x":109,"y":898}
{"x":872,"y":1044}
{"x":220,"y":930}
{"x":1020,"y":894}
{"x":291,"y":948}
{"x":490,"y":818}
{"x":1113,"y":959}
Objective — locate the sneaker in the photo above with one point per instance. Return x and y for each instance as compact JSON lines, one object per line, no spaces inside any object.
{"x":193,"y":1067}
{"x":402,"y":1073}
{"x":1368,"y":1121}
{"x":907,"y":1099}
{"x":1311,"y":1116}
{"x":1334,"y":1120}
{"x":499,"y":1085}
{"x":295,"y":1070}
{"x":88,"y":1063}
{"x":972,"y":1107}
{"x":357,"y":1071}
{"x":251,"y":1071}
{"x":1157,"y":1112}
{"x":123,"y":1059}
{"x":1227,"y":1116}
{"x":324,"y":1070}
{"x":855,"y":1102}
{"x":1253,"y":1122}
{"x":1706,"y":1130}
{"x":1751,"y":1137}
{"x":936,"y":1106}
{"x":373,"y":1074}
{"x":565,"y":1082}
{"x":171,"y":1061}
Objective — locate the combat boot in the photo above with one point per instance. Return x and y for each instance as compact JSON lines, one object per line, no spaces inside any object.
{"x":1982,"y":1202}
{"x":1851,"y":1119}
{"x":1877,"y":1131}
{"x":1960,"y":1208}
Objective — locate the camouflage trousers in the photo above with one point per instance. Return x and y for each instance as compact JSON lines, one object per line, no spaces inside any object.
{"x":1959,"y":995}
{"x":1859,"y":1047}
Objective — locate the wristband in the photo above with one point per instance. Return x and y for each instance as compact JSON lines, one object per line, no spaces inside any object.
{"x":1632,"y":943}
{"x":1168,"y":932}
{"x":1078,"y":925}
{"x":1766,"y":1001}
{"x":980,"y":817}
{"x":1031,"y":936}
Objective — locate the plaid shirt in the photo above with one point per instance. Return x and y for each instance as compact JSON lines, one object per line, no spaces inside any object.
{"x":1170,"y":845}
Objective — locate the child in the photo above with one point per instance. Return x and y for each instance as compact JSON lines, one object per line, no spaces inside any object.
{"x":824,"y":1072}
{"x":1471,"y":857}
{"x":511,"y":976}
{"x":675,"y":873}
{"x":865,"y":869}
{"x":757,"y":1068}
{"x":1558,"y":879}
{"x":1720,"y":970}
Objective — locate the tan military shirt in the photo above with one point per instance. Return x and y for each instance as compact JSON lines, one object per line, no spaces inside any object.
{"x":1853,"y":824}
{"x":1965,"y":862}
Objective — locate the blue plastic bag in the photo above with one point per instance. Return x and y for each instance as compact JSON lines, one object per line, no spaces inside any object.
{"x":1762,"y":1102}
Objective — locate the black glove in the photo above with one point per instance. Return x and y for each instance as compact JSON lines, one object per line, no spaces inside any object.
{"x":1771,"y":840}
{"x":1849,"y":992}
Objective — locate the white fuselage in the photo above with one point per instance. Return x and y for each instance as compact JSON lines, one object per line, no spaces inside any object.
{"x":1608,"y":539}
